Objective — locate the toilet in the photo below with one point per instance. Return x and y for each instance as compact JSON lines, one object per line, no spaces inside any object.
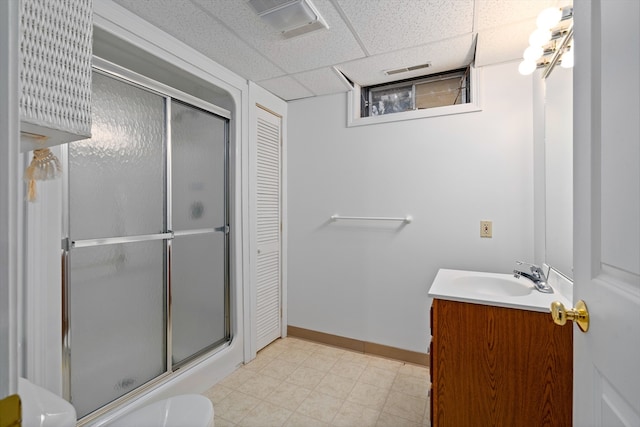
{"x":41,"y":408}
{"x":186,"y":410}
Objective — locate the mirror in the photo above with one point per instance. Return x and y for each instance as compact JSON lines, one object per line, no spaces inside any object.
{"x":558,"y":170}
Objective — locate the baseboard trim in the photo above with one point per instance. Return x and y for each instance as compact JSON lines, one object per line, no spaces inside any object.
{"x":359,"y":346}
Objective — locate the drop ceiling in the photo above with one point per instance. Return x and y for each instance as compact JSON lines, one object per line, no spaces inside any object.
{"x":364,"y":39}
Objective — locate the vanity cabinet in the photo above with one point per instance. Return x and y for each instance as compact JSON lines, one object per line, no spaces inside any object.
{"x":495,"y":366}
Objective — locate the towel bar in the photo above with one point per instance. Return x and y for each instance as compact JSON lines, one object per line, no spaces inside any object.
{"x":406,"y":219}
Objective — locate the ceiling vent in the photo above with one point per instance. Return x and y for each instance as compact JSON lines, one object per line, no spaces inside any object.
{"x":290,"y":17}
{"x":406,"y":69}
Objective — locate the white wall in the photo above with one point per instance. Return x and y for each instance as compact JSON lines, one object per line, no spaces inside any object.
{"x":369,"y":281}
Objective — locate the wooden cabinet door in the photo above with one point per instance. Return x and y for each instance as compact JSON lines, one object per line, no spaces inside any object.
{"x":496,"y":366}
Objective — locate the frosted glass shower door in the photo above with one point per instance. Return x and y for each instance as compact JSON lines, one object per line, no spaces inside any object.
{"x":199,"y":264}
{"x":147,"y":278}
{"x":116,"y":250}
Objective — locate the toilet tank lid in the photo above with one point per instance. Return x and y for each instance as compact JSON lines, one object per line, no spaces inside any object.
{"x":42,"y":408}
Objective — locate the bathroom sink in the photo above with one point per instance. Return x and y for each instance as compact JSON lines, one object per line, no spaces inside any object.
{"x":494,"y":289}
{"x":494,"y":286}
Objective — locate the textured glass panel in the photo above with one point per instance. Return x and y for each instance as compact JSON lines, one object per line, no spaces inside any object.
{"x":117,"y":321}
{"x":116,"y":177}
{"x":198,"y":161}
{"x":197,"y":293}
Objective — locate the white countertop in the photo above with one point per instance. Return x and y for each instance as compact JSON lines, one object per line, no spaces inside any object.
{"x":458,"y":285}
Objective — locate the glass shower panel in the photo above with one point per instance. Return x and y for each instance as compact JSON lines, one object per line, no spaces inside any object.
{"x":199,"y":278}
{"x":116,"y":282}
{"x":198,"y":161}
{"x":117,"y":321}
{"x":198,"y":294}
{"x":117,"y":176}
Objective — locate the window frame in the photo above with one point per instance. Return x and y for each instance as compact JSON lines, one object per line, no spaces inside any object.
{"x":354,"y":105}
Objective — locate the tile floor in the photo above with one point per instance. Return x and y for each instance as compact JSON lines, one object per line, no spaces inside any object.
{"x":297,"y":383}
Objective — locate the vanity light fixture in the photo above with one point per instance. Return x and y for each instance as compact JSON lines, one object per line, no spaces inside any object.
{"x":551,"y":43}
{"x":567,"y":56}
{"x":549,"y":18}
{"x":540,"y":37}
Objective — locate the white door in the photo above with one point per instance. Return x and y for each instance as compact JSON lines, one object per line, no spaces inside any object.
{"x":607,"y":212}
{"x":268,"y":229}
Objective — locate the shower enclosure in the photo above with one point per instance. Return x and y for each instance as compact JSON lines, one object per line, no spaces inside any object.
{"x":146,"y":253}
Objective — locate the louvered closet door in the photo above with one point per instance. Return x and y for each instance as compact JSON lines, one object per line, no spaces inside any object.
{"x":268,"y":232}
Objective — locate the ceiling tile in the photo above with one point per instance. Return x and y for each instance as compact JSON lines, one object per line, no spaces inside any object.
{"x":186,"y":22}
{"x":506,"y":43}
{"x":443,"y":56}
{"x":495,"y":13}
{"x":286,"y":88}
{"x":306,"y":52}
{"x":364,"y":38}
{"x":324,"y":81}
{"x":386,"y":25}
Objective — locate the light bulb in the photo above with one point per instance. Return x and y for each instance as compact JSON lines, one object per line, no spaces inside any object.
{"x":567,"y":59}
{"x":527,"y":67}
{"x":540,"y":37}
{"x":549,"y":18}
{"x":532,"y":53}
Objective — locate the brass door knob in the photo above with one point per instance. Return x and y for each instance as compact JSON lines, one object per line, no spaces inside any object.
{"x":580,"y":314}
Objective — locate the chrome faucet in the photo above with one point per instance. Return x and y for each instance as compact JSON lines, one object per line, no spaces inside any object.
{"x":537,"y":276}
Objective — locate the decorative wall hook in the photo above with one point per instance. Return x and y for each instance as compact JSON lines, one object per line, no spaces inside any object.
{"x":44,"y":166}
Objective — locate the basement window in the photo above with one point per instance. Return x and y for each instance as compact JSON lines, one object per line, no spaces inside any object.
{"x":450,"y":92}
{"x":437,"y":90}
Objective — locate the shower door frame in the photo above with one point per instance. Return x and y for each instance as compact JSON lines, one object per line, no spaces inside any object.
{"x":168,"y":94}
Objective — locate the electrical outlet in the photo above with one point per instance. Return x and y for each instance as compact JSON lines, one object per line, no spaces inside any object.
{"x":485,"y":229}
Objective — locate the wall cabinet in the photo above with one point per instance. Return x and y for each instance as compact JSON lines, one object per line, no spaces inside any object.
{"x":494,"y":366}
{"x":55,"y":72}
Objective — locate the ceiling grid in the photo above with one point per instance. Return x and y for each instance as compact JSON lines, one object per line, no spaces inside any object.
{"x":364,"y":38}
